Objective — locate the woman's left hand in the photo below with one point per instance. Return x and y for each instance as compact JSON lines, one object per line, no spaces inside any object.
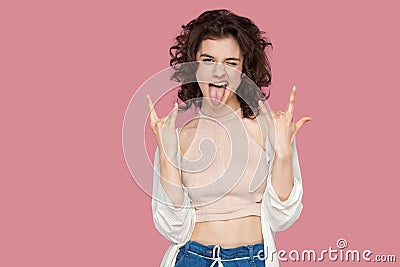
{"x":285,"y":129}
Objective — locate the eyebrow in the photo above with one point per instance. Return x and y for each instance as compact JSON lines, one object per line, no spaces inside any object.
{"x":229,"y":58}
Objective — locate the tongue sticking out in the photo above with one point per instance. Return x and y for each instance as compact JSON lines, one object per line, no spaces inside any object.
{"x":216,"y":95}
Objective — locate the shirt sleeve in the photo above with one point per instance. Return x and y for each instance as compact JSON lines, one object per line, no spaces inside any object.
{"x":175,"y":224}
{"x":283,"y":214}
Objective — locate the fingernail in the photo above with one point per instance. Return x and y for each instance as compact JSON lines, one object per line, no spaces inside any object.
{"x":294,"y":87}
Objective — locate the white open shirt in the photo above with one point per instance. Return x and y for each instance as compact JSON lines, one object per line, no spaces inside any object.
{"x":177,"y":224}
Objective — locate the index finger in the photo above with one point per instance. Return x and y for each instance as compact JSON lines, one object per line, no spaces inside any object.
{"x":153,"y":113}
{"x":290,"y":106}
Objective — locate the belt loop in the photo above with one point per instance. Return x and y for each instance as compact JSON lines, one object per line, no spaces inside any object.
{"x":187,"y":245}
{"x":251,"y":252}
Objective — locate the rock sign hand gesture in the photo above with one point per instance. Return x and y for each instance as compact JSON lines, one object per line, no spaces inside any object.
{"x":164,"y":130}
{"x":282,"y":122}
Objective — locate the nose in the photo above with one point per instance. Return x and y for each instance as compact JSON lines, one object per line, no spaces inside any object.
{"x":218,"y":70}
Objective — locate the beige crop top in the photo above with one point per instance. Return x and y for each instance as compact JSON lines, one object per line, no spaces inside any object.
{"x":224,"y":169}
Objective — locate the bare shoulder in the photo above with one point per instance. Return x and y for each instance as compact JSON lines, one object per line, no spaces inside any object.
{"x":186,"y":134}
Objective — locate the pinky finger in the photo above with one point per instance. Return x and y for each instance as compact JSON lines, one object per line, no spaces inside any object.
{"x":302,"y":121}
{"x":174,"y":114}
{"x":153,"y":114}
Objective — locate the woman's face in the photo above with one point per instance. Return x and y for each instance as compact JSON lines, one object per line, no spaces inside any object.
{"x":219,"y":71}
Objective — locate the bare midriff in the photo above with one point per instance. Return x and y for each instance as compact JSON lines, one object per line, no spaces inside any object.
{"x":229,"y":233}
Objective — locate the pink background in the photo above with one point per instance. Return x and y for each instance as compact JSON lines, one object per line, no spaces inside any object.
{"x":69,"y":70}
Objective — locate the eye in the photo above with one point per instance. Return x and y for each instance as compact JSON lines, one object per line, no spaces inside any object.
{"x":232,"y":64}
{"x":208,"y":61}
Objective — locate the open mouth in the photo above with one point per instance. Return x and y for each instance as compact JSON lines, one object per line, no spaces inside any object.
{"x":219,"y":85}
{"x":217,"y":92}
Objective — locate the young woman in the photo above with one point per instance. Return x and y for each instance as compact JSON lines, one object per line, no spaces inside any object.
{"x":228,"y":180}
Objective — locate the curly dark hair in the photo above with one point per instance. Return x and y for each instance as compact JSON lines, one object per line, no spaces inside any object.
{"x":215,"y":24}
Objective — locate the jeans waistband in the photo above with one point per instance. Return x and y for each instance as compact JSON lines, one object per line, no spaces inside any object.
{"x":220,"y":254}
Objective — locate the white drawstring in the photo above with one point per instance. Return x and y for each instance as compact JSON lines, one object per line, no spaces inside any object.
{"x":216,"y":258}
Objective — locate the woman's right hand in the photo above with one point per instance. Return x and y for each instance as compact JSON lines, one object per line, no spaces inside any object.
{"x":164,"y":131}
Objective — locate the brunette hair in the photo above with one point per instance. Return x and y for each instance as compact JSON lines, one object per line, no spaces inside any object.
{"x":215,"y":24}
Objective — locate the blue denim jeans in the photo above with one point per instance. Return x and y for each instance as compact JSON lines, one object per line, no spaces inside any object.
{"x":194,"y":254}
